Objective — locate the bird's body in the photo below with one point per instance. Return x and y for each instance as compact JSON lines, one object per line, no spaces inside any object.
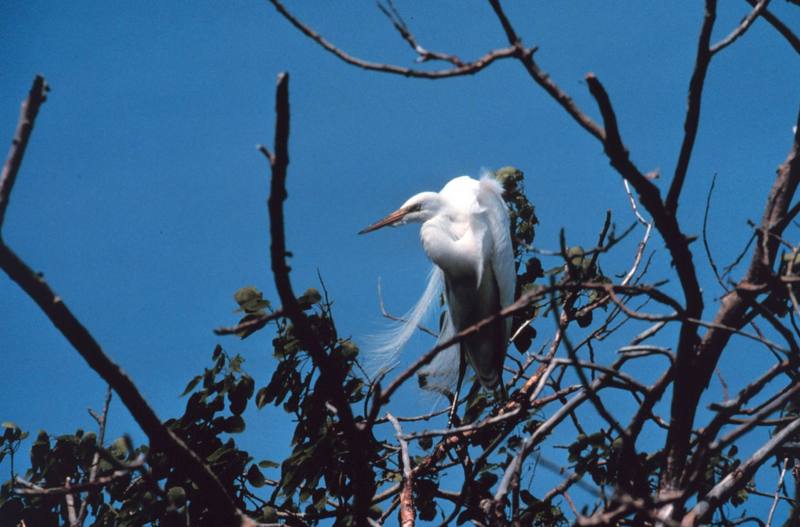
{"x":465,"y":233}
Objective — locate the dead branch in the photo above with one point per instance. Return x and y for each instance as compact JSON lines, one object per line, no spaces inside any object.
{"x":739,"y":477}
{"x":185,"y":460}
{"x":27,"y":117}
{"x":779,"y":26}
{"x":741,"y":28}
{"x":331,"y":377}
{"x":469,"y":68}
{"x":407,"y":511}
{"x":702,"y":60}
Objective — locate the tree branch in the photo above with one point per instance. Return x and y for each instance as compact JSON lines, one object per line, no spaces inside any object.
{"x":780,"y":27}
{"x":331,"y":374}
{"x":739,"y":477}
{"x":407,"y":512}
{"x":692,"y":120}
{"x":542,"y":78}
{"x":185,"y":460}
{"x":742,"y":28}
{"x":27,"y":117}
{"x":469,"y":68}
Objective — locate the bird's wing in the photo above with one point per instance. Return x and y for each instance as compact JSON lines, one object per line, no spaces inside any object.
{"x":490,"y":199}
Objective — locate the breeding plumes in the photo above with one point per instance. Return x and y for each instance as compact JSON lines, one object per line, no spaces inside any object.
{"x":465,"y":233}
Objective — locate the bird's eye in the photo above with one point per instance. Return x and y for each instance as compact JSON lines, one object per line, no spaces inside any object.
{"x":415,"y":207}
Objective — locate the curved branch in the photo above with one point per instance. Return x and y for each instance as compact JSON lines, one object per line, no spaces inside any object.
{"x":543,"y":79}
{"x":184,"y":459}
{"x":470,"y":68}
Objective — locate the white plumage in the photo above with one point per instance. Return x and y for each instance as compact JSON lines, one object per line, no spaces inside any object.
{"x":465,"y":233}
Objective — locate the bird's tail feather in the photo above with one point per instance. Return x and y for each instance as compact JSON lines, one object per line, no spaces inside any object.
{"x":442,"y":373}
{"x":384,"y":349}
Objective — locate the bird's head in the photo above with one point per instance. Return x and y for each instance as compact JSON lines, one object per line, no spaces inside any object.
{"x":416,"y":209}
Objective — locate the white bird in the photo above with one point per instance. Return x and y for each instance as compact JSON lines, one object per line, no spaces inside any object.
{"x":465,"y":233}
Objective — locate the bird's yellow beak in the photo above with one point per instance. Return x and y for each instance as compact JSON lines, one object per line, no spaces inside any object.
{"x":391,"y":219}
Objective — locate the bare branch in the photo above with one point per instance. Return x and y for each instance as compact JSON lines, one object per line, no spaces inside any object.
{"x":184,"y":458}
{"x":780,"y":27}
{"x":27,"y":117}
{"x":400,"y":25}
{"x":394,"y":318}
{"x":740,"y":30}
{"x":543,"y":79}
{"x":101,"y":419}
{"x":250,"y":326}
{"x":470,"y":68}
{"x":331,"y":376}
{"x":777,"y":492}
{"x":692,"y":120}
{"x":739,"y":477}
{"x":70,"y":489}
{"x":407,"y":512}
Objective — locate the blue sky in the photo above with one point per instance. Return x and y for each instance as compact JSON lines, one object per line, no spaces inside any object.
{"x":142,"y":197}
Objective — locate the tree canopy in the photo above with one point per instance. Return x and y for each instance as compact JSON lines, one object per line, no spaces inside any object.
{"x":624,"y":357}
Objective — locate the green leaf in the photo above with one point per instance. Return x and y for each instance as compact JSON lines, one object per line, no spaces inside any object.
{"x":233,"y":424}
{"x":177,"y":496}
{"x":268,"y":514}
{"x":268,"y":464}
{"x":250,"y":300}
{"x":262,"y":398}
{"x":218,"y":454}
{"x":255,"y":477}
{"x":189,"y":387}
{"x":309,"y":298}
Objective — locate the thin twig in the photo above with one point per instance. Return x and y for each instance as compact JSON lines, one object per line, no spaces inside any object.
{"x":780,"y":27}
{"x":101,"y":419}
{"x":775,"y":500}
{"x":741,"y":28}
{"x":469,"y":68}
{"x":737,"y":478}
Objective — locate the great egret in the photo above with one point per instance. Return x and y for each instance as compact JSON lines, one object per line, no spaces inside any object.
{"x":465,"y":233}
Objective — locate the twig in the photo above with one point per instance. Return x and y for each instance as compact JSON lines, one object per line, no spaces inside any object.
{"x":695,"y":98}
{"x":388,"y":315}
{"x":70,"y":489}
{"x":250,"y":326}
{"x":400,"y":25}
{"x":736,"y":479}
{"x":27,"y":117}
{"x":469,"y":68}
{"x":331,"y":375}
{"x":777,"y":492}
{"x":705,"y":235}
{"x":407,"y":512}
{"x":69,"y":499}
{"x":101,"y":419}
{"x":780,"y":27}
{"x":543,"y":79}
{"x":741,"y":28}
